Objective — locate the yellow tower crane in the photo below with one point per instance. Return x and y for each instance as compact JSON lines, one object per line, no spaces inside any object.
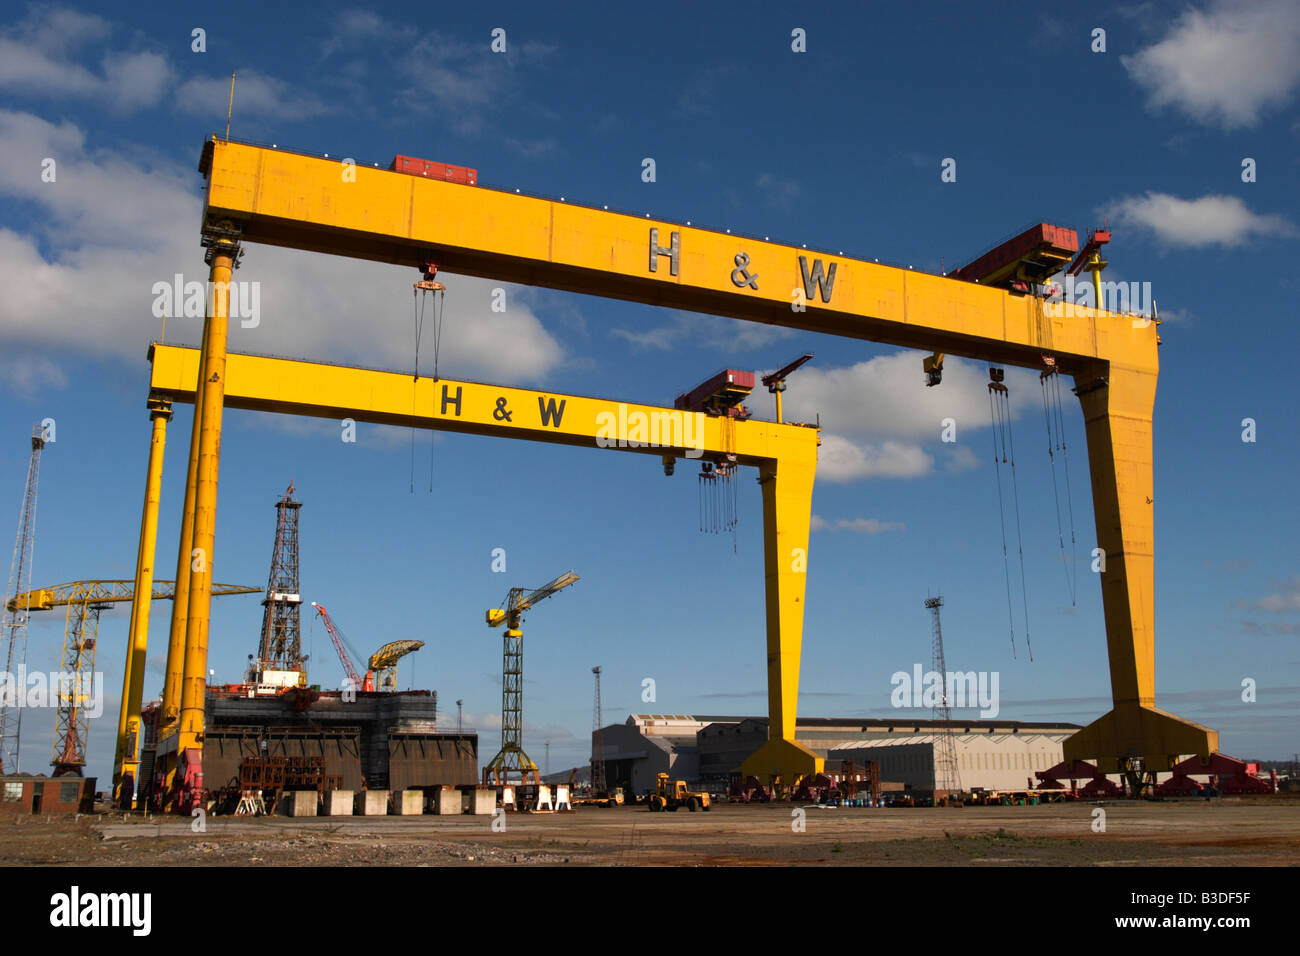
{"x":512,"y":756}
{"x":84,"y":601}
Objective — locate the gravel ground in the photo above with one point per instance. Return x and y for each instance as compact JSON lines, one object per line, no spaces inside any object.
{"x":1228,"y":832}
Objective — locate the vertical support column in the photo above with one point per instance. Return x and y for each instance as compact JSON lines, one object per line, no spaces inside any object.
{"x":126,"y":762}
{"x":1117,"y":415}
{"x":171,"y":700}
{"x":787,"y":514}
{"x":223,"y":250}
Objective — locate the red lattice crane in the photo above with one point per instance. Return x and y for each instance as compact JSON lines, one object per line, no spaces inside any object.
{"x":357,"y":683}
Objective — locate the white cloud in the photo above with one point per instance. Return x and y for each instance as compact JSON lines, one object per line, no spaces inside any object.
{"x":1224,"y":65}
{"x":856,"y":525}
{"x":879,"y":418}
{"x":1210,"y":220}
{"x":841,"y":460}
{"x":886,"y":396}
{"x":85,"y":290}
{"x":37,"y":57}
{"x":136,"y":80}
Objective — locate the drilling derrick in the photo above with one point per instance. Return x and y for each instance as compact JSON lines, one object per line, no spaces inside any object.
{"x":15,"y":622}
{"x":280,"y":648}
{"x":946,"y":776}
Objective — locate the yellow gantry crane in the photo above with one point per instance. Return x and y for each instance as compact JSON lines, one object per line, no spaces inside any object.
{"x":84,"y":601}
{"x":272,"y":196}
{"x":512,"y":758}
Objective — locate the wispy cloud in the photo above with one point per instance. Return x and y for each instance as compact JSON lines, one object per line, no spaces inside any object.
{"x":703,"y":93}
{"x":856,"y":525}
{"x":44,"y":55}
{"x":1288,"y":599}
{"x":256,"y":94}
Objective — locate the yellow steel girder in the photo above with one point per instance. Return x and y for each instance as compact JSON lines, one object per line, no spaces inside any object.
{"x":785,"y":454}
{"x":316,"y":204}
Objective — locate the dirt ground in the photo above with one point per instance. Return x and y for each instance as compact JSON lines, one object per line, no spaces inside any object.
{"x":1250,"y":831}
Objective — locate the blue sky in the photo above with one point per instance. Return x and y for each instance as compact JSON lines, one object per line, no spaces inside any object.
{"x":841,"y":147}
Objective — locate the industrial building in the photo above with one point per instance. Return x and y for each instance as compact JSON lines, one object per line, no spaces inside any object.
{"x":706,"y":750}
{"x":24,"y":794}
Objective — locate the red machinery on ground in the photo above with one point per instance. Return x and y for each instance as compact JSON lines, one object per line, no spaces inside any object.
{"x":747,"y":790}
{"x":813,"y":787}
{"x":1226,"y":775}
{"x":1098,"y":785}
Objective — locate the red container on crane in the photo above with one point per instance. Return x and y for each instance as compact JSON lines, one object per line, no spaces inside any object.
{"x":415,"y":166}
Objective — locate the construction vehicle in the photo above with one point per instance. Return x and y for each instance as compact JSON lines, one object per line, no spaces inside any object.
{"x":671,"y":794}
{"x":603,"y":799}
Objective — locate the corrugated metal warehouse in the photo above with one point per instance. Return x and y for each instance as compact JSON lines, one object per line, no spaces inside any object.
{"x":705,"y":750}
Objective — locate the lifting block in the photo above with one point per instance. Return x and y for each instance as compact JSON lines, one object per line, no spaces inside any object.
{"x":447,"y":801}
{"x":299,"y":803}
{"x":372,"y":803}
{"x":408,"y":803}
{"x":337,"y":803}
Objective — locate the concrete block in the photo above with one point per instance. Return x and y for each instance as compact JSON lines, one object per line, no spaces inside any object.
{"x":337,"y":803}
{"x":544,"y":798}
{"x":508,"y":798}
{"x":481,"y":800}
{"x":372,"y":803}
{"x":299,"y":803}
{"x":408,"y":803}
{"x":448,"y":801}
{"x":562,"y":801}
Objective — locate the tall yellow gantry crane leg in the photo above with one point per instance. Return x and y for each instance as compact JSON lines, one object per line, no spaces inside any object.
{"x":785,"y":456}
{"x":126,"y":760}
{"x":280,"y":198}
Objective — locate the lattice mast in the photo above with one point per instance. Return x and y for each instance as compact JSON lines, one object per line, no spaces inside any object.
{"x":14,"y":626}
{"x":512,"y":757}
{"x":597,"y":745}
{"x":946,"y":776}
{"x":280,"y":647}
{"x":77,"y":687}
